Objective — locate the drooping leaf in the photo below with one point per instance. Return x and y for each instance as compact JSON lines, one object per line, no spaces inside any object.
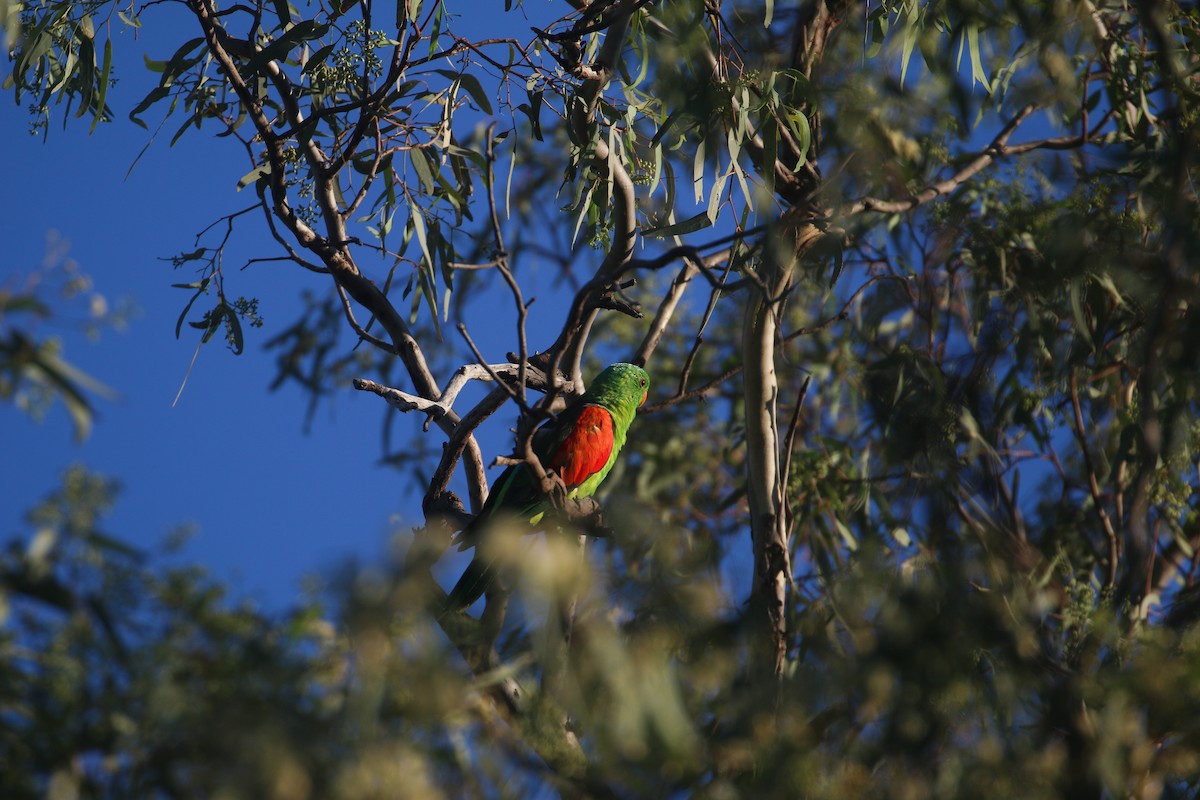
{"x":690,"y":225}
{"x":261,"y":171}
{"x":201,"y":287}
{"x":102,"y":89}
{"x":420,"y":162}
{"x":471,"y":83}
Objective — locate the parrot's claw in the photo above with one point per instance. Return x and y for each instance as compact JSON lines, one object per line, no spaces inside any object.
{"x":555,"y":490}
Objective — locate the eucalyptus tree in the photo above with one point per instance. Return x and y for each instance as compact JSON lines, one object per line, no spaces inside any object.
{"x":914,"y":282}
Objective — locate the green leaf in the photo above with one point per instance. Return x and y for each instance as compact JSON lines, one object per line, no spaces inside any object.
{"x":838,"y":263}
{"x":87,"y":74}
{"x":656,"y":178}
{"x":421,"y":165}
{"x":235,"y":328}
{"x":102,"y":93}
{"x":911,"y":35}
{"x":473,"y":87}
{"x":429,"y":291}
{"x":533,"y":110}
{"x":770,"y":151}
{"x":667,"y":124}
{"x":418,"y":224}
{"x":879,"y":28}
{"x":407,"y":11}
{"x":801,"y":131}
{"x":317,"y":58}
{"x":170,"y":69}
{"x":282,"y":12}
{"x":253,"y":176}
{"x":714,"y":199}
{"x":22,"y":303}
{"x":113,"y":545}
{"x":212,"y":321}
{"x":436,"y":34}
{"x":177,"y":63}
{"x":977,"y":71}
{"x":156,"y":94}
{"x":68,"y":382}
{"x":200,"y":288}
{"x":846,"y":534}
{"x":304,"y":31}
{"x":1106,"y":282}
{"x":691,"y":225}
{"x":583,"y":210}
{"x":385,"y":223}
{"x":1075,"y":295}
{"x":193,"y":119}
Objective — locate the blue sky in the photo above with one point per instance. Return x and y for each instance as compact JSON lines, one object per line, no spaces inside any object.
{"x":269,"y":503}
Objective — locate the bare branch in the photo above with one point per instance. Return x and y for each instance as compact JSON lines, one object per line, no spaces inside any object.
{"x":506,"y":375}
{"x":402,"y":400}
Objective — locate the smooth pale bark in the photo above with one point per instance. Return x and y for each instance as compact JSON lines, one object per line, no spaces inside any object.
{"x":765,"y":476}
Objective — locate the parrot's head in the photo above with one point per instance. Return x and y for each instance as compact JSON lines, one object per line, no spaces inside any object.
{"x":621,"y":388}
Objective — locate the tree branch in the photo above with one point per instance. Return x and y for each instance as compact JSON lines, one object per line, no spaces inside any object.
{"x":570,"y":344}
{"x":979,"y":162}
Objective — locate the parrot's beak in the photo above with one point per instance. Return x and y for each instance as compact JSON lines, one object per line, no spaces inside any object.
{"x":642,"y":402}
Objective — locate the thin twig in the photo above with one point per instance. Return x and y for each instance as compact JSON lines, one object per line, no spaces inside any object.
{"x":360,"y":330}
{"x":502,"y":264}
{"x":1093,"y":484}
{"x":516,"y":396}
{"x":785,"y":468}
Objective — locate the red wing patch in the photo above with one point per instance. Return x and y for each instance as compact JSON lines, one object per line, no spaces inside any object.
{"x":587,"y":447}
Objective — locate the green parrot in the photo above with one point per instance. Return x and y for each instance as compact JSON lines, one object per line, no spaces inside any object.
{"x":580,"y":444}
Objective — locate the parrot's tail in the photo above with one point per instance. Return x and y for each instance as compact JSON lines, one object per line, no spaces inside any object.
{"x":480,"y":574}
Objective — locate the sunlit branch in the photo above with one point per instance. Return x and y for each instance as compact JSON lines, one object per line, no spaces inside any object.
{"x":505,"y":375}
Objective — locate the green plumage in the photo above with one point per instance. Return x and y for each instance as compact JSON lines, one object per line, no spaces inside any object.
{"x":581,"y":445}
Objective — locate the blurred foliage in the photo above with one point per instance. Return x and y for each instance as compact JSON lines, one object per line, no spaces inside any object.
{"x":986,"y":382}
{"x":33,"y":370}
{"x":127,"y":675}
